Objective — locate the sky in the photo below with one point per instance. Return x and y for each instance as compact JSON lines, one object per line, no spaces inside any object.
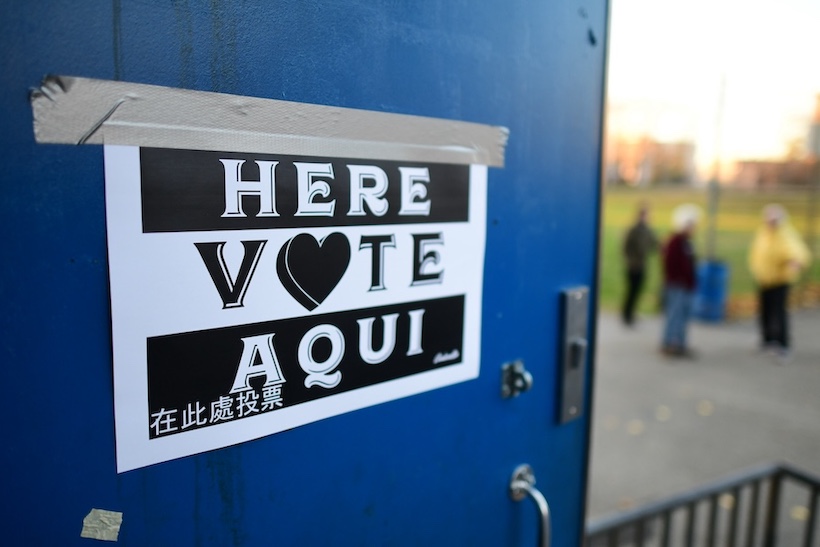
{"x":673,"y":62}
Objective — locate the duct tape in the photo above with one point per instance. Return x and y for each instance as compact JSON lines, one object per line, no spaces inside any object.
{"x":101,"y":524}
{"x":71,"y":110}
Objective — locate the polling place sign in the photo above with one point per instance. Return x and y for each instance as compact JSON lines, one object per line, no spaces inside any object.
{"x":252,"y":293}
{"x":275,"y":263}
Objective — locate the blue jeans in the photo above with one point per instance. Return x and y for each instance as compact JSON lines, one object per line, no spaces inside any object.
{"x":678,"y":308}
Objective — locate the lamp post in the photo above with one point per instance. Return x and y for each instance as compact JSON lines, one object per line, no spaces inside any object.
{"x":814,"y":189}
{"x":713,"y":275}
{"x":714,"y":181}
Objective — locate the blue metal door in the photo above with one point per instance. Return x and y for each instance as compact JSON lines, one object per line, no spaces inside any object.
{"x":433,"y":468}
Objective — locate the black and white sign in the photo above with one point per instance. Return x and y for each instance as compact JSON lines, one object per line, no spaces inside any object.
{"x":254,"y":293}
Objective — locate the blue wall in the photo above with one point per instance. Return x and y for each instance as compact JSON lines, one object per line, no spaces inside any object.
{"x":535,"y":67}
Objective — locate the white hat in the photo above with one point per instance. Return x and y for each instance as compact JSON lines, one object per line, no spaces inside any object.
{"x":774,"y":212}
{"x":685,"y":215}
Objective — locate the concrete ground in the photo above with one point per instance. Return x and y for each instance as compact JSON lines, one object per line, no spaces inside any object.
{"x":663,"y":425}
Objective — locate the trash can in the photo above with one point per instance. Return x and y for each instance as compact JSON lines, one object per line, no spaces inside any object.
{"x":712,"y":290}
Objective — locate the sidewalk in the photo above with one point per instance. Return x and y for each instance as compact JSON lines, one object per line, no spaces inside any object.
{"x":664,"y":425}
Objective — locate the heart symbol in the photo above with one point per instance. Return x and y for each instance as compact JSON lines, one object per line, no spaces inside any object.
{"x":311,"y":269}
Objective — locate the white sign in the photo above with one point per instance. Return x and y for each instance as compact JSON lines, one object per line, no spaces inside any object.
{"x":253,"y":293}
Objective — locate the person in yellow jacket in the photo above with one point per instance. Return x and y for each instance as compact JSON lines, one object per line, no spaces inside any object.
{"x":776,"y":258}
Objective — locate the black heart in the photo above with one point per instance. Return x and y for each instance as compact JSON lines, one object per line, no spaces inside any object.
{"x":311,"y":269}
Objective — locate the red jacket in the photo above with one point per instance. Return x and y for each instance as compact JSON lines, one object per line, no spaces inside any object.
{"x":679,"y":262}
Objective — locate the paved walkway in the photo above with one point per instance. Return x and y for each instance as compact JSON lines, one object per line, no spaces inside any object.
{"x":663,"y":425}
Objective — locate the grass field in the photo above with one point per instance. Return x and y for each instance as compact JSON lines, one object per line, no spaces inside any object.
{"x":738,"y":216}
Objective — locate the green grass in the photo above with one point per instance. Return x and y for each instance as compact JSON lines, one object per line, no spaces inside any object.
{"x":738,"y":216}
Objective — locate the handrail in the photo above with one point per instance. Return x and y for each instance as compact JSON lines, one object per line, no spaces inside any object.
{"x":746,"y":476}
{"x":800,"y":474}
{"x":611,"y":525}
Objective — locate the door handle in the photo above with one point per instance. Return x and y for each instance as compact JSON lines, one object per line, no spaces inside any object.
{"x":522,"y":484}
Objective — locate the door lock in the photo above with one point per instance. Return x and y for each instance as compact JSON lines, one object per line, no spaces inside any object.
{"x":573,"y":355}
{"x":515,"y":379}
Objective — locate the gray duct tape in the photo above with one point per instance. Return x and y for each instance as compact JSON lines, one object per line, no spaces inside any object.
{"x":73,"y":110}
{"x":101,"y":524}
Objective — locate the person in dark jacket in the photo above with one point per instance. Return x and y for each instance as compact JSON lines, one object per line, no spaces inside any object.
{"x":639,"y":243}
{"x":679,"y":281}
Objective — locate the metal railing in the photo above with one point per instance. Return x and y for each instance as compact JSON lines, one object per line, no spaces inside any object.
{"x":764,"y":506}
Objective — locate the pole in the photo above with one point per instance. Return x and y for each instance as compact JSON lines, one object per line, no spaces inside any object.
{"x":809,"y":293}
{"x":714,"y":182}
{"x":809,"y":282}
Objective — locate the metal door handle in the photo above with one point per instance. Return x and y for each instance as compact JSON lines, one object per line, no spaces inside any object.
{"x":522,"y":485}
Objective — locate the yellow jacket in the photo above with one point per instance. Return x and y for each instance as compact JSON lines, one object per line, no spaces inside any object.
{"x":777,"y":256}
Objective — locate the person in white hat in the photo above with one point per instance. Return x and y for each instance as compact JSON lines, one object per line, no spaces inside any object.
{"x":679,"y":281}
{"x":776,"y":258}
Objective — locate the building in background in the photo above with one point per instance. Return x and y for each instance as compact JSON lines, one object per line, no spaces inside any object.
{"x":636,"y":153}
{"x":645,"y":162}
{"x":814,"y":132}
{"x":768,"y":174}
{"x":796,"y":170}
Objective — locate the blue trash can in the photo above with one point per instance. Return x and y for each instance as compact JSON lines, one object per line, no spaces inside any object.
{"x":712,"y":291}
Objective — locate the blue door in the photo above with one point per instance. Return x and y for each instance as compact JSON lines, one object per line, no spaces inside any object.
{"x":433,"y":468}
